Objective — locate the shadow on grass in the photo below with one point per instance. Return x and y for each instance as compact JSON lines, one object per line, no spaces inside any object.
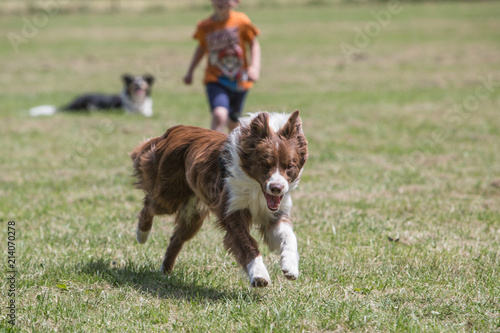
{"x":146,"y":278}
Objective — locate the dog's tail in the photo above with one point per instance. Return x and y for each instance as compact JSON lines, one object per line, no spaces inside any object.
{"x":144,"y":159}
{"x":137,"y":150}
{"x":43,"y":110}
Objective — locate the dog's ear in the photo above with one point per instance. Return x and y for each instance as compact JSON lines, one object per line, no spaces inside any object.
{"x":127,"y":78}
{"x":293,"y":130}
{"x":292,"y":126}
{"x":150,"y":79}
{"x":260,"y":125}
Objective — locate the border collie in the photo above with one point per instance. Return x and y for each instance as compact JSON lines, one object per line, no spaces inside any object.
{"x":135,"y":98}
{"x":244,"y":179}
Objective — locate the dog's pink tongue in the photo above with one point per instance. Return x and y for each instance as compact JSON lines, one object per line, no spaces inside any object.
{"x":140,"y":92}
{"x":273,"y":201}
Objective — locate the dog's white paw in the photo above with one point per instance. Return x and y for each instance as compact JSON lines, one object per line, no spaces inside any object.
{"x":290,"y":265}
{"x":142,"y":236}
{"x":257,"y":272}
{"x":259,"y":282}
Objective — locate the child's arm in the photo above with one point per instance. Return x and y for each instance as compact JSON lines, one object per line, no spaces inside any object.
{"x":254,"y":68}
{"x":197,"y":56}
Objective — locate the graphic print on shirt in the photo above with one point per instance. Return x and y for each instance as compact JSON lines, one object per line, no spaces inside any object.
{"x":225,"y":53}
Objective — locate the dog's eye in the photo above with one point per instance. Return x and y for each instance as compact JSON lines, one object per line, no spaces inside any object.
{"x":291,"y":170}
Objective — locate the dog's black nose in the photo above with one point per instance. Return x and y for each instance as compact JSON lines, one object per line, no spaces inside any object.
{"x":276,"y":188}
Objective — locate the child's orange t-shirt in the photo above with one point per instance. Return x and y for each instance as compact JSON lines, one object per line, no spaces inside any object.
{"x":225,"y":44}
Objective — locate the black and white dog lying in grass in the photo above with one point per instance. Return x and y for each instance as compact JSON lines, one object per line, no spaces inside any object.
{"x":134,"y":98}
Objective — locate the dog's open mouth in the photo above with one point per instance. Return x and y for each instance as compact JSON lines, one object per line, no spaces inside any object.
{"x":273,"y":201}
{"x":139,"y":92}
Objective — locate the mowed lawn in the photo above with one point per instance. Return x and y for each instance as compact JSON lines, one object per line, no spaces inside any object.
{"x":397,"y":215}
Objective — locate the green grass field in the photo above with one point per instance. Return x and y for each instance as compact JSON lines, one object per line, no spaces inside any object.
{"x":404,"y":142}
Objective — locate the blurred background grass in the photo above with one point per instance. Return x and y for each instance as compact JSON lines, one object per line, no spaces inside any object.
{"x":26,"y":6}
{"x":387,"y":159}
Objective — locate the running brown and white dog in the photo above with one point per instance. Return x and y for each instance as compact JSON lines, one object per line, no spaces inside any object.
{"x":134,"y":98}
{"x":244,"y":179}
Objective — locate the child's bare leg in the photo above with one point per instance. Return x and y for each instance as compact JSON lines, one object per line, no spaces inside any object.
{"x":219,"y":118}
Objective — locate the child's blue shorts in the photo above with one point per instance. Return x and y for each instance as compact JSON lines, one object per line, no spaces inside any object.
{"x":218,"y":95}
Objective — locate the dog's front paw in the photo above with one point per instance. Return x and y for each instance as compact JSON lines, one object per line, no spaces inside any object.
{"x":291,"y":274}
{"x":259,"y":281}
{"x":257,"y":272}
{"x":290,"y":265}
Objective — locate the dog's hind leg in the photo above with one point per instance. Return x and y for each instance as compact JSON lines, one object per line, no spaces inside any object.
{"x":188,"y":222}
{"x":145,"y":222}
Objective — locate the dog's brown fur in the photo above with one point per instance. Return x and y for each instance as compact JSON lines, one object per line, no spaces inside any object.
{"x":180,"y":174}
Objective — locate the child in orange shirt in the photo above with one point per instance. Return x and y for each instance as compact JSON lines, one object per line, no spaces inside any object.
{"x":224,"y":37}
